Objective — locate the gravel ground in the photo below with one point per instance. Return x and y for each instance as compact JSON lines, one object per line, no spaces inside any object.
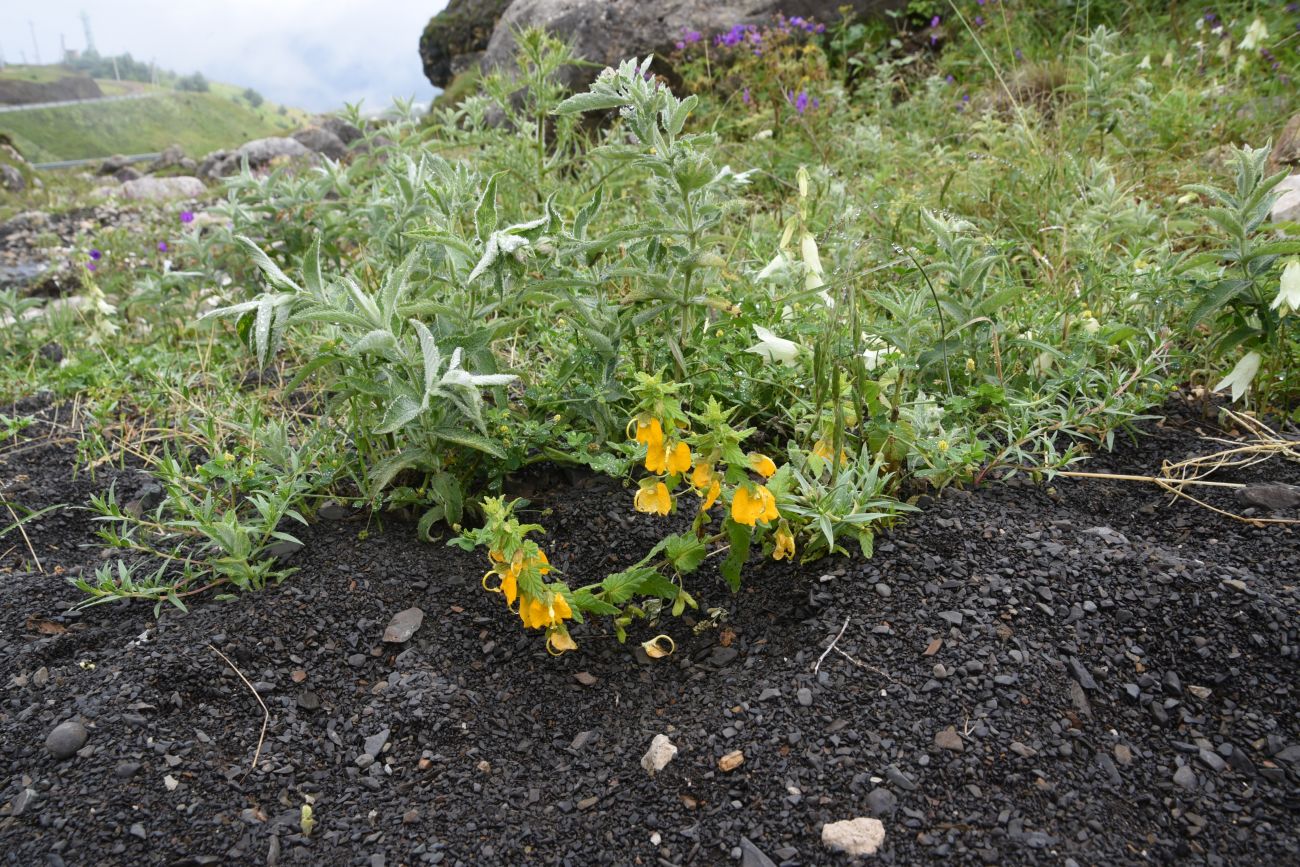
{"x":1080,"y":673}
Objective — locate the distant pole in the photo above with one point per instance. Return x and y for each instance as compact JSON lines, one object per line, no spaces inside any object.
{"x":85,"y":25}
{"x":116,"y":75}
{"x":36,"y":49}
{"x":63,"y":47}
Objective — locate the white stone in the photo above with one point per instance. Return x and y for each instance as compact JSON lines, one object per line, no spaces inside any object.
{"x":1287,"y":208}
{"x":158,"y":189}
{"x":661,"y":752}
{"x":861,"y":836}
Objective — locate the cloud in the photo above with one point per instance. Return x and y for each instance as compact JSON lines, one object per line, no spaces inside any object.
{"x":313,"y":54}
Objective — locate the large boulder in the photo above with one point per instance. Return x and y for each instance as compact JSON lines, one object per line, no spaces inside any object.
{"x":11,"y":179}
{"x":259,"y":153}
{"x":1287,"y":208}
{"x":1286,"y":152}
{"x":604,"y":31}
{"x":162,"y":189}
{"x":322,"y":141}
{"x":456,"y":37}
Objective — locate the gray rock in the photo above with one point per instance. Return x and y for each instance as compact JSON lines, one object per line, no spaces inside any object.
{"x":322,"y":141}
{"x":900,"y":779}
{"x":804,"y":696}
{"x":128,"y":173}
{"x":953,"y":617}
{"x":403,"y":625}
{"x":207,"y":167}
{"x":602,"y":31}
{"x":882,"y":802}
{"x":861,"y":836}
{"x":883,"y":590}
{"x":1274,"y":497}
{"x":346,"y":132}
{"x":752,"y":856}
{"x":113,"y":164}
{"x":261,"y":151}
{"x":1186,"y":777}
{"x":66,"y":738}
{"x":162,"y":189}
{"x":1287,"y":208}
{"x":171,"y":156}
{"x":1080,"y":672}
{"x":20,"y":803}
{"x":12,"y":179}
{"x":375,"y":743}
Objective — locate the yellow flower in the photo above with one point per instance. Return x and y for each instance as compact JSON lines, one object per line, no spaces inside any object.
{"x":650,"y":432}
{"x":540,"y":614}
{"x":715,"y":490}
{"x":558,"y":640}
{"x":970,"y":365}
{"x":750,"y":508}
{"x":822,"y":449}
{"x":762,"y":464}
{"x":679,"y":459}
{"x":656,"y":459}
{"x":701,"y":476}
{"x":653,"y":499}
{"x":784,"y":543}
{"x":943,"y":445}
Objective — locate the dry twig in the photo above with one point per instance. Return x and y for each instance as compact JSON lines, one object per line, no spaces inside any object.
{"x":266,"y":714}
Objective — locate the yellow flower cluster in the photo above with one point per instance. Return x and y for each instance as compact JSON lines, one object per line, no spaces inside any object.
{"x":671,"y":459}
{"x":663,"y":457}
{"x":546,"y":611}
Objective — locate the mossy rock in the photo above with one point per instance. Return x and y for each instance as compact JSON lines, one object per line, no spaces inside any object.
{"x":462,"y":29}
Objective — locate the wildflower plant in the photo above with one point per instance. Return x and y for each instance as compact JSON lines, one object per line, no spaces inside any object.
{"x":1240,"y":286}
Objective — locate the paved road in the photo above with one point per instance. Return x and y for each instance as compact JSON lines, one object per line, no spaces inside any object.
{"x":71,"y":164}
{"x":35,"y":105}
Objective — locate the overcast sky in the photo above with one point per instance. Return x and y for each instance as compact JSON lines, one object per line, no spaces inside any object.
{"x":312,"y":54}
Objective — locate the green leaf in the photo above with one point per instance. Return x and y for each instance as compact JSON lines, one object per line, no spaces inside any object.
{"x":447,"y":491}
{"x":380,"y":474}
{"x":739,"y":535}
{"x":469,"y":440}
{"x":272,"y":271}
{"x":685,"y":553}
{"x":584,"y":102}
{"x":589,"y":602}
{"x":622,"y":586}
{"x":400,"y":413}
{"x":485,"y":215}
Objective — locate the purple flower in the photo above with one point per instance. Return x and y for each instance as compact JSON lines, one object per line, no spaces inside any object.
{"x":979,"y":20}
{"x":950,"y":78}
{"x":745,"y":96}
{"x":95,"y":254}
{"x":162,"y":246}
{"x":1020,"y":55}
{"x":90,"y":266}
{"x":681,"y":46}
{"x":800,"y":101}
{"x":934,"y":22}
{"x":690,"y":37}
{"x":981,"y":2}
{"x":187,"y":216}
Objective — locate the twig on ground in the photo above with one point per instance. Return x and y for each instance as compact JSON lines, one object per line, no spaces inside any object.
{"x":831,"y":647}
{"x":860,"y":664}
{"x":266,"y":714}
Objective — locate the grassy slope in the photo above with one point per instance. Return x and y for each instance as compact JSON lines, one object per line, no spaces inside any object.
{"x":199,"y":122}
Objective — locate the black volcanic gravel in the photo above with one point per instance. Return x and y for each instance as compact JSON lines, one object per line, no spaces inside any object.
{"x":1074,"y":673}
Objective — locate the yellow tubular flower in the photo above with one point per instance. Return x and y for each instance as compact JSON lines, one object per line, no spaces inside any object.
{"x":822,"y":449}
{"x":762,"y":464}
{"x":558,"y":641}
{"x":510,"y":587}
{"x":545,"y":566}
{"x":679,"y":459}
{"x":746,"y":508}
{"x":715,"y":490}
{"x":768,"y":502}
{"x":701,"y":476}
{"x":656,"y":459}
{"x":653,"y":500}
{"x":650,"y":432}
{"x":784,"y":543}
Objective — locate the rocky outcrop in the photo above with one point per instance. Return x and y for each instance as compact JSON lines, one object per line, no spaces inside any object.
{"x":603,"y":31}
{"x":456,"y":37}
{"x":170,"y":157}
{"x":1286,"y":151}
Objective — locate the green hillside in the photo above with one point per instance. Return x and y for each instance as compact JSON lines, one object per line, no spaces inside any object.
{"x":199,"y":122}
